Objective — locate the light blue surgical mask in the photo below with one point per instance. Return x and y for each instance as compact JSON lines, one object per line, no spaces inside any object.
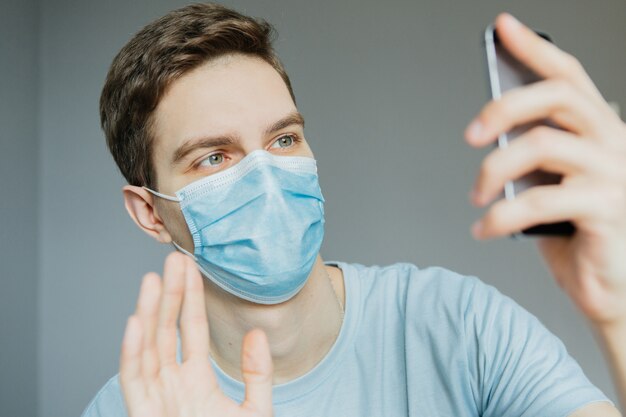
{"x":257,"y":226}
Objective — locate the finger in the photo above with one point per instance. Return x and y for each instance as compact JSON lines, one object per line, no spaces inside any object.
{"x":541,"y":56}
{"x":550,"y":99}
{"x":194,"y":326}
{"x":147,"y":314}
{"x":171,"y":300}
{"x":546,"y":204}
{"x":130,"y":361}
{"x":542,"y":148}
{"x":257,"y":368}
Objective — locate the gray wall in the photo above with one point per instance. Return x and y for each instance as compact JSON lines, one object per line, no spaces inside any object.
{"x":386,"y":87}
{"x":19,"y":199}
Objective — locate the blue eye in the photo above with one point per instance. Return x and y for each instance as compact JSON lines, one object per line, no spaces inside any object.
{"x":212,"y":160}
{"x":284,"y":142}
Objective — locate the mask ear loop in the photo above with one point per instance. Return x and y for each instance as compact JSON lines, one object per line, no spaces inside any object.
{"x":177,"y":200}
{"x":180,"y":248}
{"x":163,"y":196}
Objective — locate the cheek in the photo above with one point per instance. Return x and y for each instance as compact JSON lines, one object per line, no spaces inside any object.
{"x":175,"y":224}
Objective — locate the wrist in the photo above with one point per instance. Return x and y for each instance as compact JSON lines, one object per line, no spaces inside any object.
{"x":612,"y":338}
{"x":611,"y":332}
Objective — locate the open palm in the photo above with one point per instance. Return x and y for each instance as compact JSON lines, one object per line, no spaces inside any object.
{"x":154,"y":383}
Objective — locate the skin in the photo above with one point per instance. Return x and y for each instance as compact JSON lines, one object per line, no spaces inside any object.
{"x":591,"y":156}
{"x":242,"y":96}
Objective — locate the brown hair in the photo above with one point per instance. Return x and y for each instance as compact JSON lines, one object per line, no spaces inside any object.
{"x":160,"y":53}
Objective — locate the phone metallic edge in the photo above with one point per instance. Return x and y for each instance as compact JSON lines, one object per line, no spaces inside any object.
{"x":505,"y":73}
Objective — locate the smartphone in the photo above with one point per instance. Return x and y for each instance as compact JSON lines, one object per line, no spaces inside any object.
{"x":505,"y":73}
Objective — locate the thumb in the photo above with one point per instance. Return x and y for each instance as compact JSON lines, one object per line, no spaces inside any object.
{"x":257,"y":368}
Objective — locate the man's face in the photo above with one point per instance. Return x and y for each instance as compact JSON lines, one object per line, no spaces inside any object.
{"x":214,"y":116}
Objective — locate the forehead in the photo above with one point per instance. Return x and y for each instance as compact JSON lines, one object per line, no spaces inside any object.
{"x":231,"y":94}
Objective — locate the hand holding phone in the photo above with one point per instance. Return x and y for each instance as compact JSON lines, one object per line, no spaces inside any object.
{"x":506,"y":73}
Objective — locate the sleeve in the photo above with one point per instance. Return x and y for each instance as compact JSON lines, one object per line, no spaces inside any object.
{"x":108,"y":402}
{"x":518,"y":367}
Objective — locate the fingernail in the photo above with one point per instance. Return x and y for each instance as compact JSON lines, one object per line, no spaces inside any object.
{"x":477,"y":229}
{"x":474,"y":130}
{"x":514,"y":21}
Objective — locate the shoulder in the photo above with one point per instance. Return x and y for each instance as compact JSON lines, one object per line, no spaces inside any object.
{"x":108,"y":402}
{"x":401,"y":271}
{"x":423,"y":297}
{"x":434,"y":293}
{"x":433,"y":284}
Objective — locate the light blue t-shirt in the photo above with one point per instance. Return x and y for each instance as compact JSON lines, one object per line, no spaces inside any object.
{"x":423,"y":343}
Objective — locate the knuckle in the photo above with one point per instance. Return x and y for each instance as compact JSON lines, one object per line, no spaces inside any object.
{"x":540,"y":131}
{"x":489,"y":166}
{"x":194,"y":320}
{"x":613,"y":201}
{"x":534,"y":202}
{"x":606,"y":202}
{"x":498,"y":109}
{"x":166,"y":324}
{"x":496,"y":215}
{"x":571,"y":63}
{"x":560,"y":87}
{"x":540,"y":139}
{"x":503,"y":108}
{"x":174,"y":289}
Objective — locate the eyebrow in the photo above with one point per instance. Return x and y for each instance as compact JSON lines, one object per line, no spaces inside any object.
{"x":191,"y":145}
{"x":294,"y":118}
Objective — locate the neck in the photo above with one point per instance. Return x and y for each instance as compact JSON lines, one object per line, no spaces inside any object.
{"x":300,"y":331}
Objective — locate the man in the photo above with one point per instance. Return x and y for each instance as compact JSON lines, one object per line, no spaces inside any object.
{"x":200,"y":116}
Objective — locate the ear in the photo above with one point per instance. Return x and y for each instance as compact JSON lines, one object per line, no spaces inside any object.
{"x":140,"y":205}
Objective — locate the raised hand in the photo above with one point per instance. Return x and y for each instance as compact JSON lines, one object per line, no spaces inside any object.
{"x":154,"y":384}
{"x":590,"y":153}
